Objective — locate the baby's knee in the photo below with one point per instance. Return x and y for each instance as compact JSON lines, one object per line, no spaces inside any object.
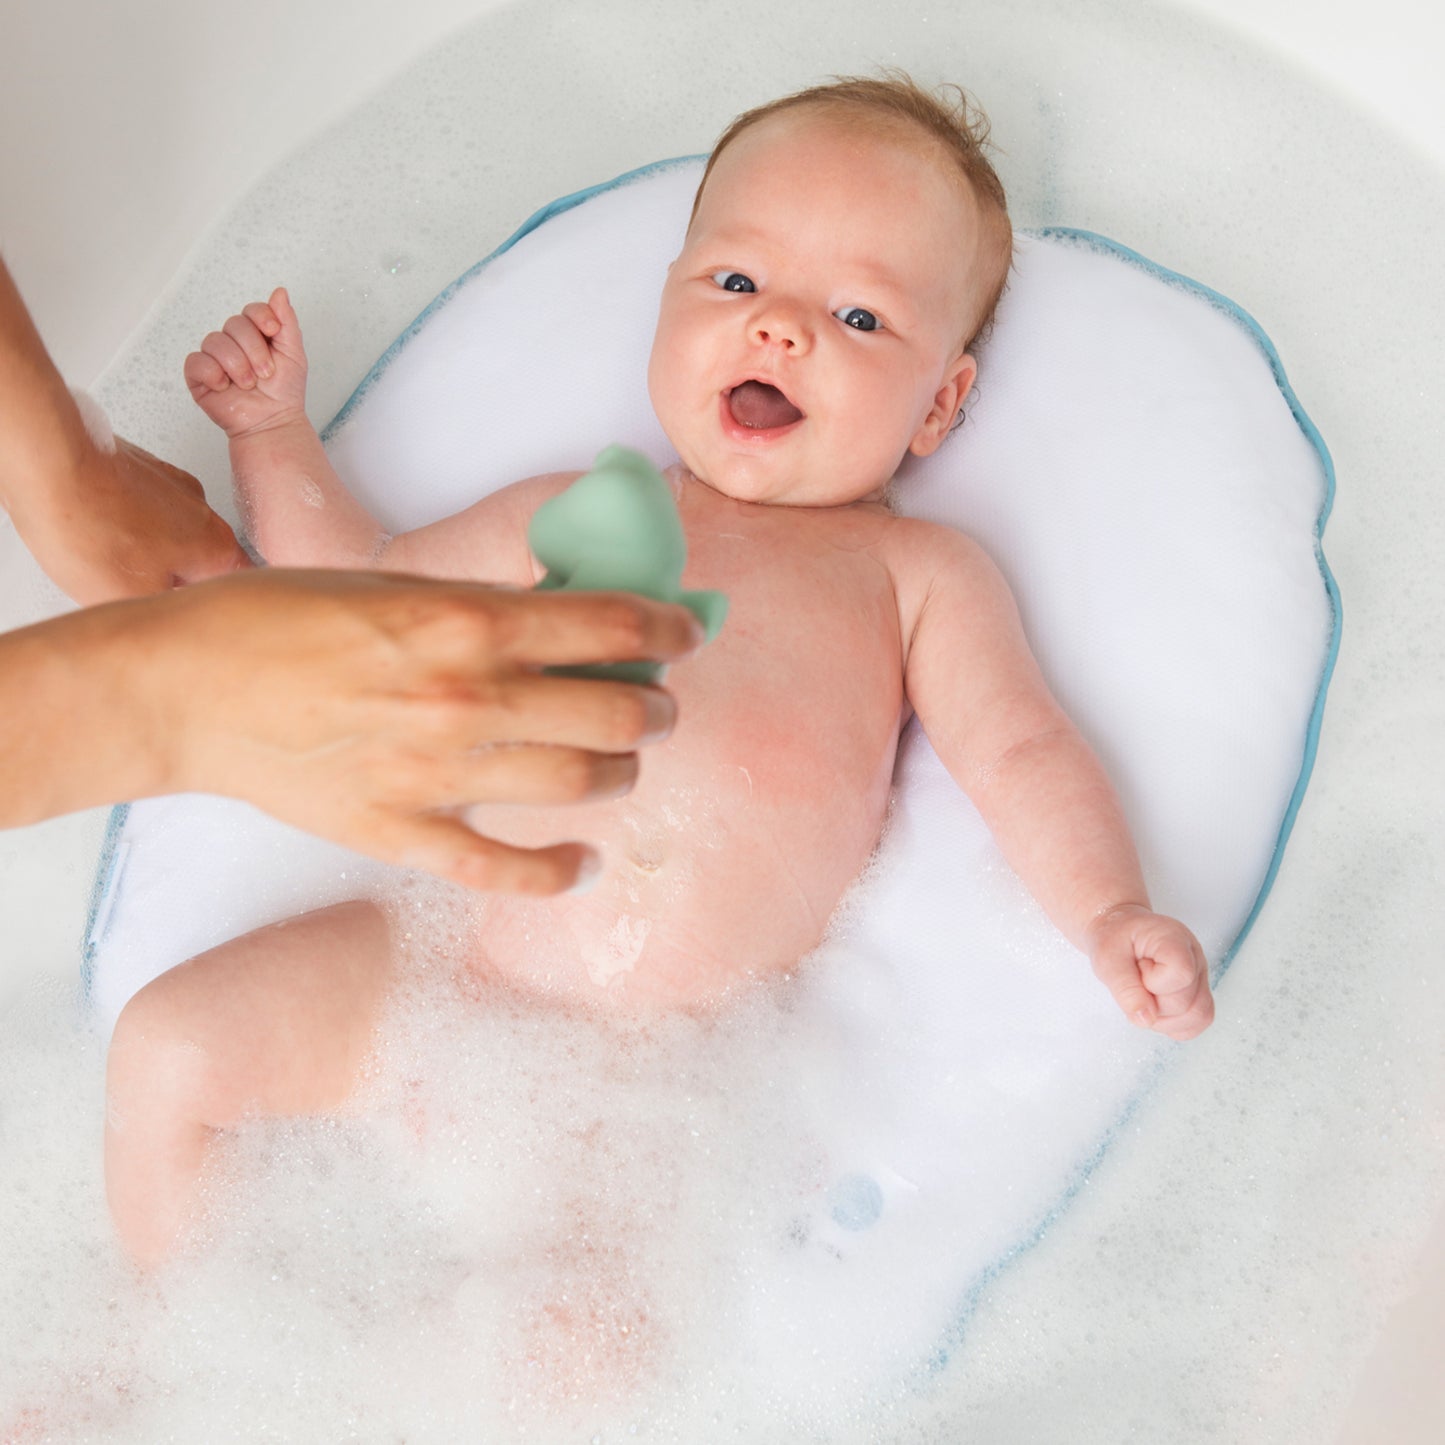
{"x":156,"y":1059}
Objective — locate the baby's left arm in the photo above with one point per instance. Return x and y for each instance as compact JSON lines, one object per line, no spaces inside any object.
{"x":978,"y":692}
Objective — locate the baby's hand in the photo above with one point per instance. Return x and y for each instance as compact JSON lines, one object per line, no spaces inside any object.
{"x":1155,"y":969}
{"x":251,"y":374}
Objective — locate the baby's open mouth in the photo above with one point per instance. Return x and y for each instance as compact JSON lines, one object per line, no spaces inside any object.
{"x":760,"y":406}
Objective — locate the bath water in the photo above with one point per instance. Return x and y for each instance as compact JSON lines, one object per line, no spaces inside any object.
{"x":399,"y":1275}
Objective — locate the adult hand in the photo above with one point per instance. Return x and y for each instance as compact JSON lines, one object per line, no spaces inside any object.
{"x":104,"y":519}
{"x":369,"y":708}
{"x":124,"y":524}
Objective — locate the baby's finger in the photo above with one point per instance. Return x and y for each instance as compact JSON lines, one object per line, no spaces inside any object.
{"x":1116,"y":969}
{"x":247,"y":335}
{"x":231,"y":358}
{"x":204,"y":374}
{"x":1189,"y":1022}
{"x":262,"y":317}
{"x":1173,"y":966}
{"x":280,"y":303}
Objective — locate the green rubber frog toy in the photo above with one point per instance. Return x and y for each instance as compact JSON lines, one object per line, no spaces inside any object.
{"x":616,"y":529}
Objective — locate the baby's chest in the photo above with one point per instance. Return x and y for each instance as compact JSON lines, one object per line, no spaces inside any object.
{"x":807,"y":671}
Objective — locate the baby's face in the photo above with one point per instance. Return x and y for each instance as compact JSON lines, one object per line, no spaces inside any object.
{"x":811,"y":332}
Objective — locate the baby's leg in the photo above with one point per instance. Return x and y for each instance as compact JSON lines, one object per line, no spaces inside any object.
{"x":274,"y":1023}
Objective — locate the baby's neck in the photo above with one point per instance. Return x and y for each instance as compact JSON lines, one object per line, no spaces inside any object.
{"x":684,"y":481}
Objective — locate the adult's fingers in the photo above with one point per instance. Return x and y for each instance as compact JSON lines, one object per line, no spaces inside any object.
{"x":542,"y":775}
{"x":140,"y":458}
{"x":510,"y":774}
{"x":548,"y":629}
{"x":446,"y":846}
{"x":221,"y":554}
{"x":599,"y":715}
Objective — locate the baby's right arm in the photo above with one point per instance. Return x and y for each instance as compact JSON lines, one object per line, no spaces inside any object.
{"x":250,"y":379}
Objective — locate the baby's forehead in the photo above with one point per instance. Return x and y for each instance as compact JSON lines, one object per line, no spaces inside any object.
{"x":848,"y":125}
{"x":779,"y":140}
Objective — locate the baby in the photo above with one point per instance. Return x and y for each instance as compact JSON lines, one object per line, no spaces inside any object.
{"x":847,"y":246}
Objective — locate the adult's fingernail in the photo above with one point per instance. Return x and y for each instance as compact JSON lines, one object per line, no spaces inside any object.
{"x":659,"y":718}
{"x":616,"y":777}
{"x":588,"y":872}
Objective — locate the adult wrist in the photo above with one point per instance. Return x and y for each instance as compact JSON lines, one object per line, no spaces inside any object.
{"x":43,"y":457}
{"x":80,"y":740}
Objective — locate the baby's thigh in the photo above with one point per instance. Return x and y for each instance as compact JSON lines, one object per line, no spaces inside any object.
{"x":275,"y":1022}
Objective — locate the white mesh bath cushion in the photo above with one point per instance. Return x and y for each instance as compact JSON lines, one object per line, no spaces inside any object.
{"x":1133,"y":459}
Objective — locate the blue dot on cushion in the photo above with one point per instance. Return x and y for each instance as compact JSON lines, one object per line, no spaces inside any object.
{"x":855,"y":1202}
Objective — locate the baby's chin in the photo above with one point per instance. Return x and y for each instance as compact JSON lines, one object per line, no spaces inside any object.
{"x":803,"y":492}
{"x":768,"y":481}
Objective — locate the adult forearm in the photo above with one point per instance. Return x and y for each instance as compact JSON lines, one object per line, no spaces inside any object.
{"x":40,"y":425}
{"x":73,"y":715}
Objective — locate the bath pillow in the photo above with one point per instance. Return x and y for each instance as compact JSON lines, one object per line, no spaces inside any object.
{"x":1134,"y":461}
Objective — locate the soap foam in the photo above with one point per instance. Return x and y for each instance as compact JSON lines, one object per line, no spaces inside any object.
{"x":1222,"y":1272}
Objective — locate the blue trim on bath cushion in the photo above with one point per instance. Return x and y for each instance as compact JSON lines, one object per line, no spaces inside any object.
{"x":1242,"y":317}
{"x":101,"y":896}
{"x":537,"y":218}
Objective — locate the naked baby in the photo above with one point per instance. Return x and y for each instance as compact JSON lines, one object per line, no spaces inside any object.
{"x":847,"y":247}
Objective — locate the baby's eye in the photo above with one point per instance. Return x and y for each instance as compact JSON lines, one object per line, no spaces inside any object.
{"x":857,"y":318}
{"x":733,"y":281}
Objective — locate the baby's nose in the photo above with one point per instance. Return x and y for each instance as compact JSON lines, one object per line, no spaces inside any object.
{"x":781,"y":325}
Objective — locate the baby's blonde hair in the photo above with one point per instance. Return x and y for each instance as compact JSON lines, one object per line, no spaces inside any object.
{"x":948,"y":117}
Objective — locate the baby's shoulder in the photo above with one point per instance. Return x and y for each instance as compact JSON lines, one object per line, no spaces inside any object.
{"x":918,"y":548}
{"x":531,"y":492}
{"x":928,"y":560}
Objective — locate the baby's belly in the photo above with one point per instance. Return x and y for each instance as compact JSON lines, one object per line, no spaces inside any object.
{"x":719,"y":870}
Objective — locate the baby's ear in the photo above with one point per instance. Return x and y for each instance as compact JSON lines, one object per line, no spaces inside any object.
{"x":957,"y":383}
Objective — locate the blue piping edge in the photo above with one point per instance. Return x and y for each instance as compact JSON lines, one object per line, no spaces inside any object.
{"x":99,"y":890}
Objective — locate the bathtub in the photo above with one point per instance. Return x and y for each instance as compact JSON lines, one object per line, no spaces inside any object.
{"x":127,"y":136}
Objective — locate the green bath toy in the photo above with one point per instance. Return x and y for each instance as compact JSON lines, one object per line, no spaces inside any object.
{"x":616,"y":529}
